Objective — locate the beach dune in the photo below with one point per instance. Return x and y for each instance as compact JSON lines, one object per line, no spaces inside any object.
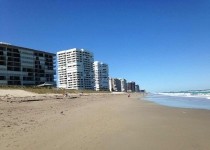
{"x":102,"y":121}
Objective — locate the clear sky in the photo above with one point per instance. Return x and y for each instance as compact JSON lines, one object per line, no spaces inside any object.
{"x":163,"y":45}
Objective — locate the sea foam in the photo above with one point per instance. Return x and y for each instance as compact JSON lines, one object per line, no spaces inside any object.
{"x":189,"y":93}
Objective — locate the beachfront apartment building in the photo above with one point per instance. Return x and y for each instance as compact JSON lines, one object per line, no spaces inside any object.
{"x":118,"y":85}
{"x":131,"y":86}
{"x":114,"y":85}
{"x":75,"y":69}
{"x":101,"y":76}
{"x":137,"y":88}
{"x":25,"y":66}
{"x":123,"y":85}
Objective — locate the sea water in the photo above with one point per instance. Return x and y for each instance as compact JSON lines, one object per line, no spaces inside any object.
{"x":186,"y":99}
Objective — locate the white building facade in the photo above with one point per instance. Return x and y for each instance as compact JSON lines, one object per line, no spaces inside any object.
{"x":114,"y":85}
{"x":101,"y":76}
{"x":75,"y":69}
{"x":123,"y":85}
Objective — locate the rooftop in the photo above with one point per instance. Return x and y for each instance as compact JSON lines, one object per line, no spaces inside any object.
{"x":19,"y":47}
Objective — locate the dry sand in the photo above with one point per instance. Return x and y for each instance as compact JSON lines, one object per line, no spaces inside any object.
{"x":100,"y":122}
{"x":16,"y":93}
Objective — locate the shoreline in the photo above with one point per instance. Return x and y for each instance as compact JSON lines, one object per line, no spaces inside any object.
{"x":185,"y":102}
{"x":101,"y":121}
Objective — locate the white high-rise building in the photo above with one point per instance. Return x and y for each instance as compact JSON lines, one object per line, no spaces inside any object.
{"x":123,"y":85}
{"x":101,"y":76}
{"x":75,"y":69}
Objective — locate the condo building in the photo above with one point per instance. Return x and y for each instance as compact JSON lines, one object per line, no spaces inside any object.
{"x":25,"y":66}
{"x":115,"y":85}
{"x":75,"y":69}
{"x":101,"y":76}
{"x":131,"y":86}
{"x":123,"y":85}
{"x":137,"y":88}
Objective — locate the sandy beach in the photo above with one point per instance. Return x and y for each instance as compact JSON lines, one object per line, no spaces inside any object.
{"x":98,"y":121}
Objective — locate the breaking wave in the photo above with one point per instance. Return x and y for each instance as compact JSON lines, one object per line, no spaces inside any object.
{"x":189,"y":93}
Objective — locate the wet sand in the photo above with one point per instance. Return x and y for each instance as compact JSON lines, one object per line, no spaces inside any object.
{"x":101,"y":121}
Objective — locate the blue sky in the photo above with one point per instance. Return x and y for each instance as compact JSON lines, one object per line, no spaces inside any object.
{"x":162,"y":45}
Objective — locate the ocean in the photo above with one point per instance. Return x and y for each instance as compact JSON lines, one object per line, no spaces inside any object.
{"x":195,"y":99}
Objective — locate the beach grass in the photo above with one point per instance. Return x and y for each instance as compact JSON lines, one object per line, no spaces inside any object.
{"x":49,"y":90}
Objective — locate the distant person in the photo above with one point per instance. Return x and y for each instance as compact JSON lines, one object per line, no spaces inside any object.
{"x":128,"y":95}
{"x":81,"y":94}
